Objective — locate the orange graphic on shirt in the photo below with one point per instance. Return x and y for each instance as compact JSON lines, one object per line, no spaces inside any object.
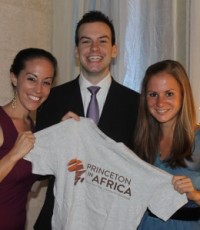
{"x":76,"y":166}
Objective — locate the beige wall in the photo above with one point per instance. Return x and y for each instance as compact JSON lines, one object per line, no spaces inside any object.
{"x":24,"y":23}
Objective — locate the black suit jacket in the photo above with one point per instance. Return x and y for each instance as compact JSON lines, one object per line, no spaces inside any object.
{"x":117,"y":121}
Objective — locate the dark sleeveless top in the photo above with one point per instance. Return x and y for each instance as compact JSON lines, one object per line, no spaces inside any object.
{"x":15,"y":187}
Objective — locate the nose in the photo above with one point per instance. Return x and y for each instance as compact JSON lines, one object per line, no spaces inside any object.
{"x":94,"y":45}
{"x":38,"y":87}
{"x":160,"y":101}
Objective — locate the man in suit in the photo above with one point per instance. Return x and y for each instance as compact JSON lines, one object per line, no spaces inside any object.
{"x":118,"y":105}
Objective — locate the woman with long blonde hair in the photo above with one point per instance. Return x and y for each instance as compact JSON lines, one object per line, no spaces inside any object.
{"x":168,"y":137}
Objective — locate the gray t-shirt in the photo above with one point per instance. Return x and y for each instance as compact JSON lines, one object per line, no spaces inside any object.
{"x":100,"y":184}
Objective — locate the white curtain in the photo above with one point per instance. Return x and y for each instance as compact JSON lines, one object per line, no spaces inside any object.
{"x":147,"y":31}
{"x":194,"y":54}
{"x":152,"y":34}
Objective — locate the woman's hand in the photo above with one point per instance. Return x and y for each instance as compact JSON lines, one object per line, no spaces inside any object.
{"x":24,"y":143}
{"x":184,"y":184}
{"x":70,"y":115}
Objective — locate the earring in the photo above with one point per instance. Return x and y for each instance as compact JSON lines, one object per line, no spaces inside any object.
{"x":13,"y":104}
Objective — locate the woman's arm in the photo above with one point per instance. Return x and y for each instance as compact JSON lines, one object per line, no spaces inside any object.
{"x":184,"y":184}
{"x":22,"y":146}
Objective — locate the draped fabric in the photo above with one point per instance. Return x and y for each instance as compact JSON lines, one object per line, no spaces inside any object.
{"x":152,"y":34}
{"x":194,"y":54}
{"x":146,"y":32}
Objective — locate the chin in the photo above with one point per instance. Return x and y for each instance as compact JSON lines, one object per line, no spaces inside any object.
{"x":33,"y":107}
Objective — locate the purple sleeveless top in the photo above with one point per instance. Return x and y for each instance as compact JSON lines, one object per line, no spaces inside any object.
{"x":15,"y":187}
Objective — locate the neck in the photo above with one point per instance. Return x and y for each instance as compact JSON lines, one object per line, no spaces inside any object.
{"x":164,"y":148}
{"x":18,"y":112}
{"x":167,"y":130}
{"x":165,"y":145}
{"x":94,"y":78}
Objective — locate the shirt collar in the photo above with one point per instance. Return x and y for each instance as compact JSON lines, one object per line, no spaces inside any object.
{"x":104,"y":83}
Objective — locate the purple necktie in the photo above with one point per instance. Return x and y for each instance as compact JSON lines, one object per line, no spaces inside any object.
{"x":93,"y":107}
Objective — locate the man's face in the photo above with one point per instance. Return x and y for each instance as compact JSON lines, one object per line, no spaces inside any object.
{"x":95,"y":50}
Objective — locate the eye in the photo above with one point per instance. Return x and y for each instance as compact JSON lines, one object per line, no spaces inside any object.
{"x":85,"y":41}
{"x":152,"y":94}
{"x":47,"y":83}
{"x":103,"y":41}
{"x":31,"y":77}
{"x":169,"y":94}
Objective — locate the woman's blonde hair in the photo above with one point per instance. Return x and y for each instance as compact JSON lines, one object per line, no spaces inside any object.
{"x":148,"y":133}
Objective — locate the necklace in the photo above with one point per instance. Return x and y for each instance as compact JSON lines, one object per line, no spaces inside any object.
{"x":163,"y":155}
{"x":160,"y":155}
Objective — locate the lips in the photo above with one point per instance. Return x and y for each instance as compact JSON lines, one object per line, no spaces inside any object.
{"x":34,"y":98}
{"x":161,"y":111}
{"x":95,"y":58}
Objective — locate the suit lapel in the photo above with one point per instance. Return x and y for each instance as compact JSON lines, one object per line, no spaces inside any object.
{"x":76,"y":103}
{"x":107,"y":112}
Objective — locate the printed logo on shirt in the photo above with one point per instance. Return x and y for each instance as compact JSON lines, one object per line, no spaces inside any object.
{"x":76,"y":166}
{"x":103,"y":178}
{"x":109,"y":180}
